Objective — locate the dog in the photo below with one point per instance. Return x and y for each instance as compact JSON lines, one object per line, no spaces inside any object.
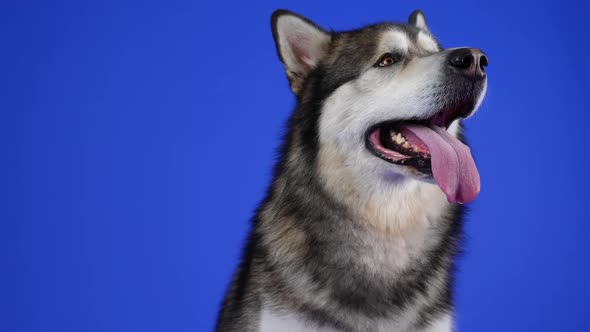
{"x":360,"y":228}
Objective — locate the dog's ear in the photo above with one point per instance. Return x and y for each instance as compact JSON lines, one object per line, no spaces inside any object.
{"x":300,"y":43}
{"x":418,"y":20}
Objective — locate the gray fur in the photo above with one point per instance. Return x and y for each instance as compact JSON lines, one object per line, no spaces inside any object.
{"x":318,"y":256}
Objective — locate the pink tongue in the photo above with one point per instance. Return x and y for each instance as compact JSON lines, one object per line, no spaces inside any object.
{"x":452,"y":164}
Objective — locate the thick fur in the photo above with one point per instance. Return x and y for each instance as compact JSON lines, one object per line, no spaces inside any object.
{"x":345,"y":241}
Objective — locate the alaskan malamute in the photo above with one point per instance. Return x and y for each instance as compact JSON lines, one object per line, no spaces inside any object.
{"x":360,"y":226}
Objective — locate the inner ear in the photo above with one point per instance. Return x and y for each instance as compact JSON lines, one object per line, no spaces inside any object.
{"x":302,"y":53}
{"x":300,"y":43}
{"x":418,"y":20}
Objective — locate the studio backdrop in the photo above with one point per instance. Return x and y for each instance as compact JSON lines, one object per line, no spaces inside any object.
{"x":138,"y":137}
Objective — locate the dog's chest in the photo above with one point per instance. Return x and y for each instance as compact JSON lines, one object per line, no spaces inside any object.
{"x":272,"y":321}
{"x":375,"y":267}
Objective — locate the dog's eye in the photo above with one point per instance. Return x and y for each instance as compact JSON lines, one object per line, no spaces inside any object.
{"x":386,"y":60}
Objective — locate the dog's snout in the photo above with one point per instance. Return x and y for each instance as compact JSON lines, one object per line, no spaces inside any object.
{"x":469,"y":61}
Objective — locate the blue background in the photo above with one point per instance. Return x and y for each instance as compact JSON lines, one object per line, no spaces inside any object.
{"x":138,"y":137}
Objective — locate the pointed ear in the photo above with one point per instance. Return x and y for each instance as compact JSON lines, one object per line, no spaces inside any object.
{"x":300,"y":44}
{"x":418,"y":20}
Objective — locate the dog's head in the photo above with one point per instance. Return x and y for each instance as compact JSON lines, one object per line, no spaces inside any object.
{"x":389,"y":98}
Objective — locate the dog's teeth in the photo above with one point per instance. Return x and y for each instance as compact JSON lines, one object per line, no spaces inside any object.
{"x":416,"y":149}
{"x":399,"y":139}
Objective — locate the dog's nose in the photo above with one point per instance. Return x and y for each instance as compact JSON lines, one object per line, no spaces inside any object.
{"x":470,"y":61}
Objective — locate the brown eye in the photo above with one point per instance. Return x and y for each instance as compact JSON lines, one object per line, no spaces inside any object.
{"x":386,"y":60}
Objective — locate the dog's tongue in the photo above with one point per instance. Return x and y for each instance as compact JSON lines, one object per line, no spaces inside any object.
{"x":452,"y":164}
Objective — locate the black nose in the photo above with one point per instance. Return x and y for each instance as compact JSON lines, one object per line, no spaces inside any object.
{"x":470,"y":61}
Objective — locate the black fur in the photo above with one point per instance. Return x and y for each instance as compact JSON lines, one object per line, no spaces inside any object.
{"x":296,"y":193}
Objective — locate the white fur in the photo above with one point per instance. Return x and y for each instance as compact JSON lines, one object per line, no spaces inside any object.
{"x":394,"y":40}
{"x":443,"y":324}
{"x":421,"y":22}
{"x":481,"y":96}
{"x":274,"y":321}
{"x":426,"y":42}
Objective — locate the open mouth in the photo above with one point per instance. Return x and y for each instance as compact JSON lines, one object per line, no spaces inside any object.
{"x":426,"y":146}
